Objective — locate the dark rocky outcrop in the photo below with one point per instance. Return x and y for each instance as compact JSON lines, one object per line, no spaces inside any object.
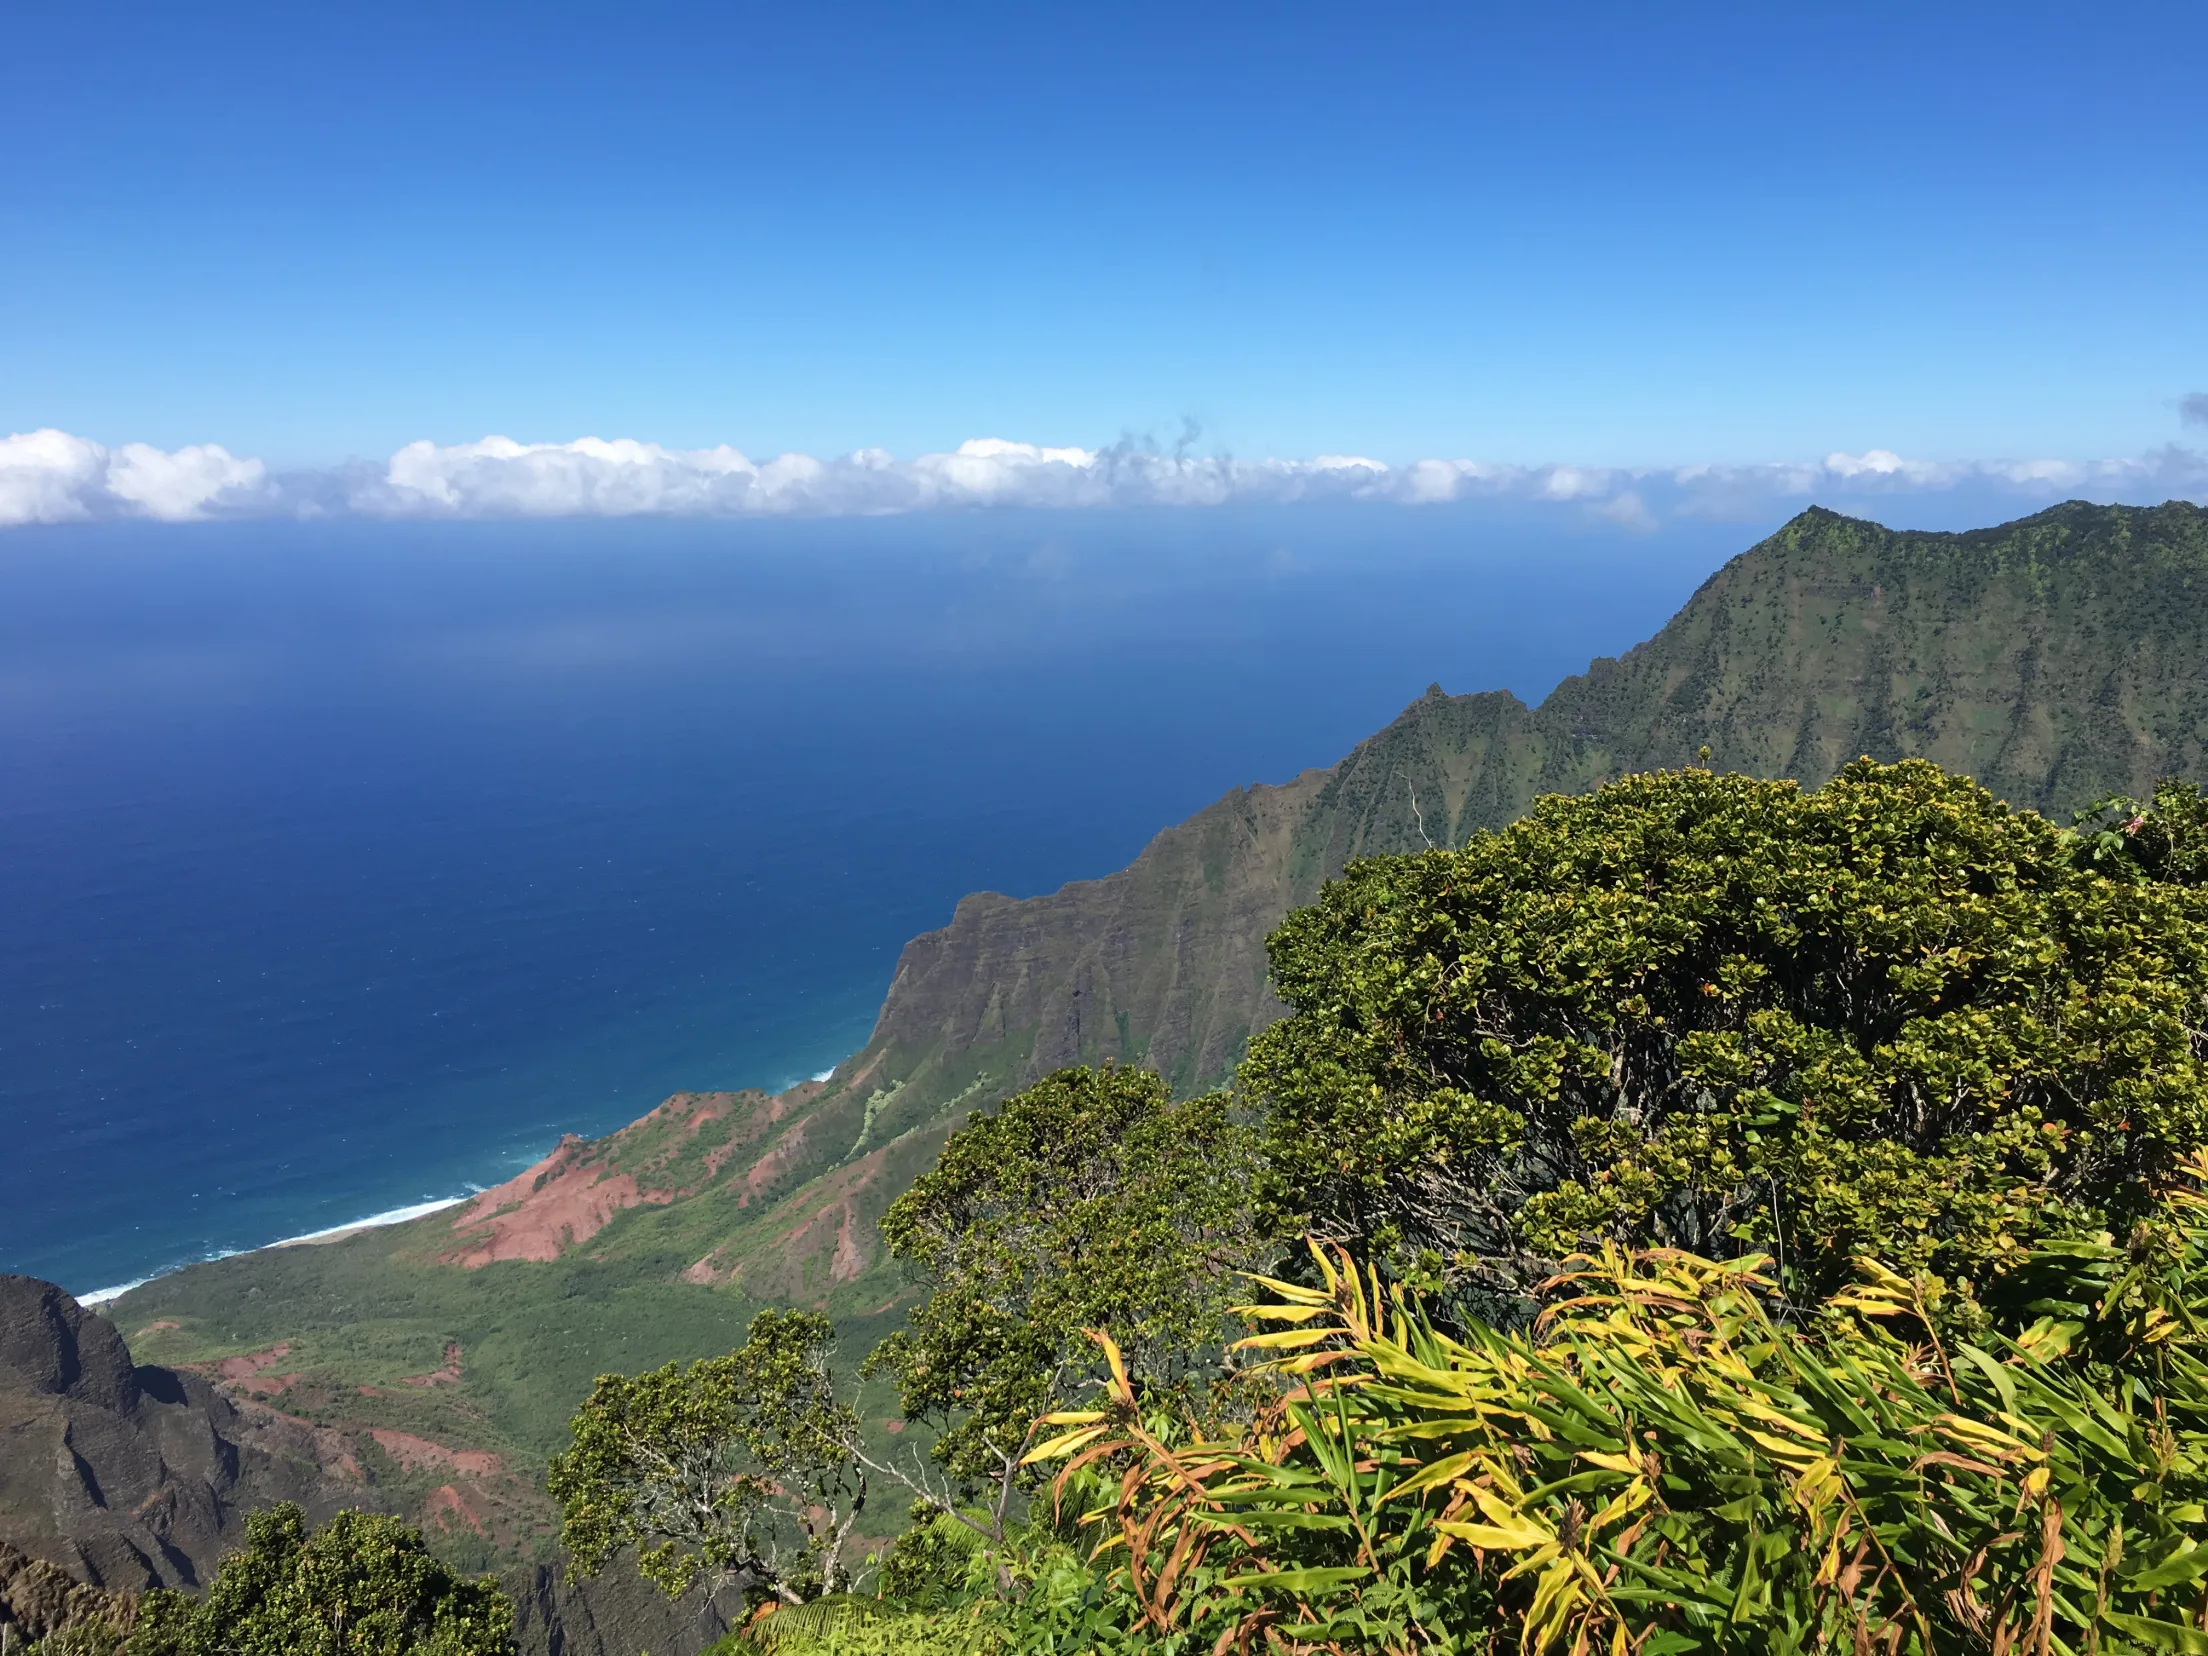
{"x":130,"y":1477}
{"x":614,"y":1614}
{"x":39,"y":1600}
{"x":116,"y":1477}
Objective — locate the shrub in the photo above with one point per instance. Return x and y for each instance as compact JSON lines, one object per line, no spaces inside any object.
{"x":361,"y":1585}
{"x":1887,"y":1016}
{"x":1661,"y":1467}
{"x":1090,"y":1196}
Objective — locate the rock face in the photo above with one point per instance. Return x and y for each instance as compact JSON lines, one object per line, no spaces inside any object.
{"x":115,"y":1478}
{"x":616,"y":1614}
{"x":39,"y":1600}
{"x":130,"y":1477}
{"x":676,"y":1152}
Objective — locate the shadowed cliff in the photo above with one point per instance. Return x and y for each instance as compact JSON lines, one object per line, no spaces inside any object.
{"x":132,"y":1477}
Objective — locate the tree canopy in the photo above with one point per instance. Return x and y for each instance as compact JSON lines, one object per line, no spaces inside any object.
{"x":1887,"y":1016}
{"x":1090,"y":1198}
{"x":361,"y":1585}
{"x":733,"y":1468}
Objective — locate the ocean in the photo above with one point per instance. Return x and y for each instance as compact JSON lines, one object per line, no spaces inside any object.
{"x":344,"y":866}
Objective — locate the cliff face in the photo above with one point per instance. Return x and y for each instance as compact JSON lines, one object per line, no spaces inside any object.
{"x":116,"y":1477}
{"x":131,"y":1477}
{"x":618,"y":1614}
{"x":39,"y":1600}
{"x":2056,"y":659}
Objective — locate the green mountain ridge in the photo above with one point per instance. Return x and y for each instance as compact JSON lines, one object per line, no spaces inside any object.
{"x":2058,"y":658}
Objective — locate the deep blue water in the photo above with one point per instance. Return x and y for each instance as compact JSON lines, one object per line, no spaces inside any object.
{"x":343,"y":866}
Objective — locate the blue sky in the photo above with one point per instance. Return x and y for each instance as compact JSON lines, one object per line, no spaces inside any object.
{"x":1602,"y":234}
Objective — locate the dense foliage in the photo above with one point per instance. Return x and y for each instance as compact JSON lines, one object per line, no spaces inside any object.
{"x":1090,"y":1198}
{"x":2165,"y":838}
{"x":1659,"y":1466}
{"x":361,"y":1585}
{"x":732,"y":1468}
{"x":1889,"y":1015}
{"x":1757,"y":1220}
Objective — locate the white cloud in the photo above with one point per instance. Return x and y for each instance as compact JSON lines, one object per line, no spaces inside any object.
{"x":182,"y":484}
{"x":1575,"y":483}
{"x":499,"y":477}
{"x":1723,"y":490}
{"x":45,"y":476}
{"x":1884,"y":463}
{"x":1430,"y":482}
{"x":1627,"y":511}
{"x":53,"y":477}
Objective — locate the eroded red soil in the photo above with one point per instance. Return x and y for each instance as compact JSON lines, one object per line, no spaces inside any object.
{"x":419,"y":1454}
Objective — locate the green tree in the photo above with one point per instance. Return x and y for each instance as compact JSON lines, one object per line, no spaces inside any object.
{"x":1091,"y":1199}
{"x":736,"y":1468}
{"x":1889,"y":1016}
{"x":2165,"y":838}
{"x":361,"y":1585}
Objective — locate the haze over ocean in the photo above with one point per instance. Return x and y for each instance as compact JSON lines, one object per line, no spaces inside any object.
{"x":349,"y":864}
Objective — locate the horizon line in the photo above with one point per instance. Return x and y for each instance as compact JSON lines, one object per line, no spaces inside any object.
{"x":50,"y":476}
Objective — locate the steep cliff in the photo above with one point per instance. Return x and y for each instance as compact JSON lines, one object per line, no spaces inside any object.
{"x":618,"y":1614}
{"x":131,"y":1477}
{"x":2057,"y":659}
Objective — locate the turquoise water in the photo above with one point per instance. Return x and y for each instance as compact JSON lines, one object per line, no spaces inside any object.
{"x":344,"y":866}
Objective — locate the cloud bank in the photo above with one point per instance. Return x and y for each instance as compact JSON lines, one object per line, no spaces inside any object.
{"x":53,"y":477}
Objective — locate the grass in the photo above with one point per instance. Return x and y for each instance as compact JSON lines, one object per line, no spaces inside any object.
{"x":363,"y":1315}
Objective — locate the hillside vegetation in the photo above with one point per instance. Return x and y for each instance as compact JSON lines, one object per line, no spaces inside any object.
{"x":2057,"y":659}
{"x":1755,"y":1219}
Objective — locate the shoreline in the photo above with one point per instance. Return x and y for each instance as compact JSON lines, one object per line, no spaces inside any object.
{"x":375,"y":1221}
{"x":331,"y":1233}
{"x":310,"y":1239}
